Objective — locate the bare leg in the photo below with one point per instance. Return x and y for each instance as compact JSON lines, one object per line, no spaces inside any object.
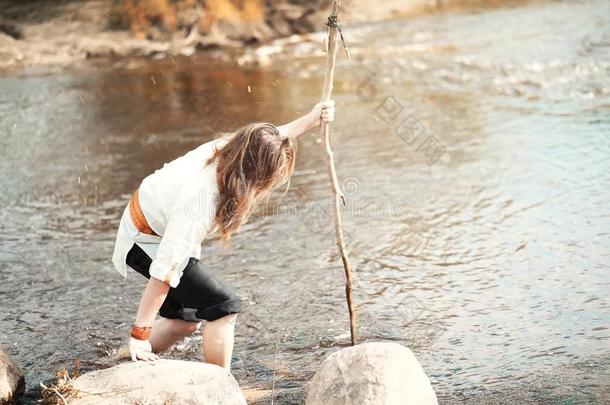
{"x":218,"y":337}
{"x":166,"y":332}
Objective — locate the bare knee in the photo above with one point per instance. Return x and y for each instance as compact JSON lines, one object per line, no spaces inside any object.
{"x":232,"y":318}
{"x":193,"y":326}
{"x":227,"y":319}
{"x":185,"y":327}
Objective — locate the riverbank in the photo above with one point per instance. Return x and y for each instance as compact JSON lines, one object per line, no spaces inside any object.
{"x":61,"y":33}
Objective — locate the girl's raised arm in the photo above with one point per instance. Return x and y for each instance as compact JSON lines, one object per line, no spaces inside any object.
{"x":321,"y":112}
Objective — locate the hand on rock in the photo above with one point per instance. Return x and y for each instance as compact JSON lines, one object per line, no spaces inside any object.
{"x":141,"y":350}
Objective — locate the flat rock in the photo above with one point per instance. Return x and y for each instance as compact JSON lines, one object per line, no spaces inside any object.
{"x":162,"y":382}
{"x":371,"y":374}
{"x":12,"y":381}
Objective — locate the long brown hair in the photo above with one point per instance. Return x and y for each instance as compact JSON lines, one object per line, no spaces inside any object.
{"x":253,"y":161}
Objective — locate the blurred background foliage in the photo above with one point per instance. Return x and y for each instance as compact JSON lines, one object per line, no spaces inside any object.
{"x":163,"y":19}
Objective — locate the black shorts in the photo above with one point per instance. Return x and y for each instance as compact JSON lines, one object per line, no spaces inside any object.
{"x":201,"y":294}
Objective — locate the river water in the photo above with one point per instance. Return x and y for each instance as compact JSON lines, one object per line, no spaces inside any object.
{"x":473,"y":147}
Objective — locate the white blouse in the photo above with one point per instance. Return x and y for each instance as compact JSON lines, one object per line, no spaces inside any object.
{"x":179,"y":202}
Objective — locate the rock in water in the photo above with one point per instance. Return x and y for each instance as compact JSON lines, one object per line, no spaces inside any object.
{"x":12,"y":382}
{"x":371,"y":374}
{"x":161,"y":382}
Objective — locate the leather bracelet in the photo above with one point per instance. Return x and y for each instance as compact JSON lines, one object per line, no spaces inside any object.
{"x":140,"y":332}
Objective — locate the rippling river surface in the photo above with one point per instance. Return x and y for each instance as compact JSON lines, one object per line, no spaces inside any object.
{"x":474,"y":151}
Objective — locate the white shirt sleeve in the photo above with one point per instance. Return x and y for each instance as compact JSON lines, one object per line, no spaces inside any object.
{"x":190,"y":220}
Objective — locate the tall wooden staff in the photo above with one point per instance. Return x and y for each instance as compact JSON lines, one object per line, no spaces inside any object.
{"x":334,"y":28}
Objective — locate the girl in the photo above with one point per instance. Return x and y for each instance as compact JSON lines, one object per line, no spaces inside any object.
{"x":212,"y":188}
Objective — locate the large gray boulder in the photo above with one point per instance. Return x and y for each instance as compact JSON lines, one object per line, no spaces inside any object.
{"x":371,"y":374}
{"x":160,"y":382}
{"x":12,"y":381}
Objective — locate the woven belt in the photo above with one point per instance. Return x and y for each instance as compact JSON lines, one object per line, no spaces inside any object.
{"x":137,"y":216}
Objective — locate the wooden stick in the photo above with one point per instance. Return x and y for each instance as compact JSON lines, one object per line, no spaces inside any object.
{"x":337,"y":194}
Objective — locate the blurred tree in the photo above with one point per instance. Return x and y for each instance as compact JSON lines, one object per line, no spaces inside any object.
{"x":141,"y":16}
{"x":144,"y":13}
